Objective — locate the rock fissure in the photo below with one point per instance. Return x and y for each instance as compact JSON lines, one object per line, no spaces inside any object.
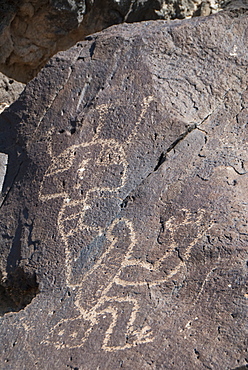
{"x":92,"y":48}
{"x":163,"y":157}
{"x":181,"y":137}
{"x":238,"y":172}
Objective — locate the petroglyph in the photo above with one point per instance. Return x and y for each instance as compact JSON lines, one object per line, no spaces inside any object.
{"x":103,"y":290}
{"x":109,"y":160}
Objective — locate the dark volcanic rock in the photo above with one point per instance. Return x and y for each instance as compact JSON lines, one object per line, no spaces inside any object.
{"x":32,"y":31}
{"x":124,"y":208}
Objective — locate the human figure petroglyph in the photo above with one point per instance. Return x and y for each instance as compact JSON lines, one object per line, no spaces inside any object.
{"x":97,"y":289}
{"x":97,"y":296}
{"x":107,"y":169}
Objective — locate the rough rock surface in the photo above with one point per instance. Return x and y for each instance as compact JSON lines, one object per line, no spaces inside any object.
{"x":123,"y":222}
{"x":32,"y":31}
{"x":9,"y":91}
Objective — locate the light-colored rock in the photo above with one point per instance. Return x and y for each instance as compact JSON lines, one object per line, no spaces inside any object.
{"x":9,"y":91}
{"x":3,"y":168}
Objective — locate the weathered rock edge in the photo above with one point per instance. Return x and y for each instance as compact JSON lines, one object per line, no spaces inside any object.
{"x":125,"y":202}
{"x":9,"y":91}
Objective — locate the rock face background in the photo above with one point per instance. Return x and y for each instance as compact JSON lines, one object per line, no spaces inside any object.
{"x":124,"y":207}
{"x":32,"y":31}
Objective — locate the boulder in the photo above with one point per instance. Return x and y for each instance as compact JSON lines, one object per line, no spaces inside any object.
{"x":9,"y":91}
{"x":32,"y":31}
{"x":123,"y":220}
